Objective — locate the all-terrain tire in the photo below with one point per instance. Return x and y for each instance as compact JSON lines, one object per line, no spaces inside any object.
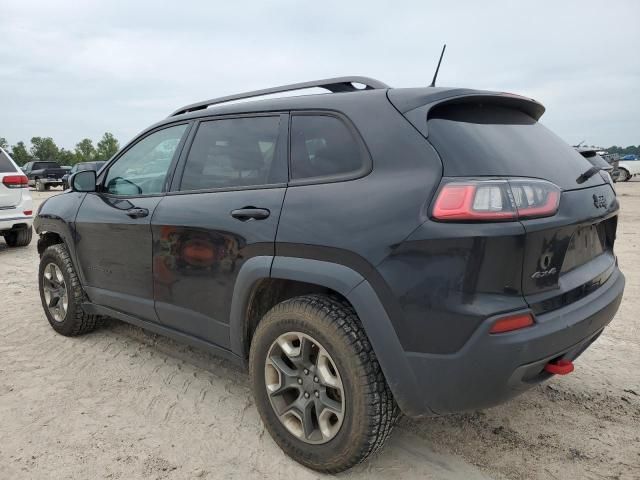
{"x":20,"y":237}
{"x":370,"y":412}
{"x":76,"y":321}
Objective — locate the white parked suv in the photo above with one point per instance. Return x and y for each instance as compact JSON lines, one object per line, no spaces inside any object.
{"x":16,"y":205}
{"x":628,"y":169}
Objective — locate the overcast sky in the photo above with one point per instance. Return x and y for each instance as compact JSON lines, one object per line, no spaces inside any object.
{"x":74,"y":69}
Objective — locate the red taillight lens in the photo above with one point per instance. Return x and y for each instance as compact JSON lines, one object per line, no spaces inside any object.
{"x":494,"y":200}
{"x":513,"y":322}
{"x":15,"y":181}
{"x":472,"y":202}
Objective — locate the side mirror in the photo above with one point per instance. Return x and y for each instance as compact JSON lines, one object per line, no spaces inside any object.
{"x":84,"y":181}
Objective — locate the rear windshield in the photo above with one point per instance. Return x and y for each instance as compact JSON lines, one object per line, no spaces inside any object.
{"x":6,"y":165}
{"x":90,"y":166}
{"x":596,"y":160}
{"x":488,"y":140}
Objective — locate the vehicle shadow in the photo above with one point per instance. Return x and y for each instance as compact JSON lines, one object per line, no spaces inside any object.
{"x":406,"y":453}
{"x":24,"y":251}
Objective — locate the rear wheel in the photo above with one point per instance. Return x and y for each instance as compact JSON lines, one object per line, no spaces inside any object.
{"x":20,"y":237}
{"x":318,"y":386}
{"x":625,"y":176}
{"x":615,"y":175}
{"x":62,"y":295}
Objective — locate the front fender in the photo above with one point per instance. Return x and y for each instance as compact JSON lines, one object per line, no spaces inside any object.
{"x":57,"y":215}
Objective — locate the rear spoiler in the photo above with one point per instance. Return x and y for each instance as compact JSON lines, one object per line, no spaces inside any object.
{"x":416,"y":105}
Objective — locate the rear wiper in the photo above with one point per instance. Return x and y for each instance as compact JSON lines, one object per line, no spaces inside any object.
{"x":588,"y":174}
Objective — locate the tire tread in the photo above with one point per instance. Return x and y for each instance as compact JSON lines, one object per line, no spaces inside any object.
{"x":81,"y":322}
{"x":19,"y":237}
{"x":382,"y":411}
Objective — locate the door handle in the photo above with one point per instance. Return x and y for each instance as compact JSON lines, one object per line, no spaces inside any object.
{"x":250,"y":213}
{"x":137,"y":212}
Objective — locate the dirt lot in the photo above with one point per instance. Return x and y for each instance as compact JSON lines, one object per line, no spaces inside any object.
{"x":122,"y":403}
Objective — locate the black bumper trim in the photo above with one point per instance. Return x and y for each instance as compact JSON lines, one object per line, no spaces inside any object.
{"x":490,"y":369}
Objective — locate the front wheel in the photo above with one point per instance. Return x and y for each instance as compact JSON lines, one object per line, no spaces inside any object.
{"x":318,"y":386}
{"x":39,"y":185}
{"x":61,"y":293}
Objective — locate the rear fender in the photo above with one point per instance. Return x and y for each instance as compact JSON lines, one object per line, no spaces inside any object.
{"x":362,"y":297}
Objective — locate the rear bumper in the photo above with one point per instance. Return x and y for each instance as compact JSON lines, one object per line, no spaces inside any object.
{"x":14,"y":217}
{"x":10,"y":223}
{"x":490,"y":369}
{"x":47,"y":181}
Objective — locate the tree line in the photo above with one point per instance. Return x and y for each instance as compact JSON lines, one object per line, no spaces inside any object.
{"x":630,"y":150}
{"x":45,"y":149}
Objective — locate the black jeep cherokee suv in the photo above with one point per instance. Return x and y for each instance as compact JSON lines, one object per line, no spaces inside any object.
{"x":431,"y":249}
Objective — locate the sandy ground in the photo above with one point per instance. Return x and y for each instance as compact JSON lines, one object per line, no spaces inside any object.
{"x":122,"y":403}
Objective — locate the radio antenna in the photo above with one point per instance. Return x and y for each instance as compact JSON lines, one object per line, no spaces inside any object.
{"x":435,"y":75}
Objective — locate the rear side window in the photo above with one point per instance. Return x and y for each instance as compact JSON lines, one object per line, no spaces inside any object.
{"x":235,"y":152}
{"x":323,"y":146}
{"x":5,"y":164}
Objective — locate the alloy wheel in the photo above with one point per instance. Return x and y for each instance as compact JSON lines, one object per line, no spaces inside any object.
{"x":55,"y":292}
{"x":304,"y":388}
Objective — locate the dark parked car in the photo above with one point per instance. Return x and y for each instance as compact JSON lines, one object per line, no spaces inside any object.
{"x":43,"y":175}
{"x":595,"y":159}
{"x":79,"y":167}
{"x":432,"y":249}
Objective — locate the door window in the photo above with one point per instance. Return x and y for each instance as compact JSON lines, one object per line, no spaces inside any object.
{"x":236,"y":152}
{"x":323,"y":146}
{"x":142,"y":169}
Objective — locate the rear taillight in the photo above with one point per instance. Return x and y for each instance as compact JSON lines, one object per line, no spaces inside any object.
{"x":496,"y":200}
{"x":15,"y":181}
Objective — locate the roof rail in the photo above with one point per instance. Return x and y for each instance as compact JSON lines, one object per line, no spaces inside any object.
{"x":334,"y":85}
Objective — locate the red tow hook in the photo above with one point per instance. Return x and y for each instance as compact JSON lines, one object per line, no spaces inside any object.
{"x":560,"y":367}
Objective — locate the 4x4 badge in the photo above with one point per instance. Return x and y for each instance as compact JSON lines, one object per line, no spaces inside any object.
{"x":544,"y":273}
{"x":599,"y":201}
